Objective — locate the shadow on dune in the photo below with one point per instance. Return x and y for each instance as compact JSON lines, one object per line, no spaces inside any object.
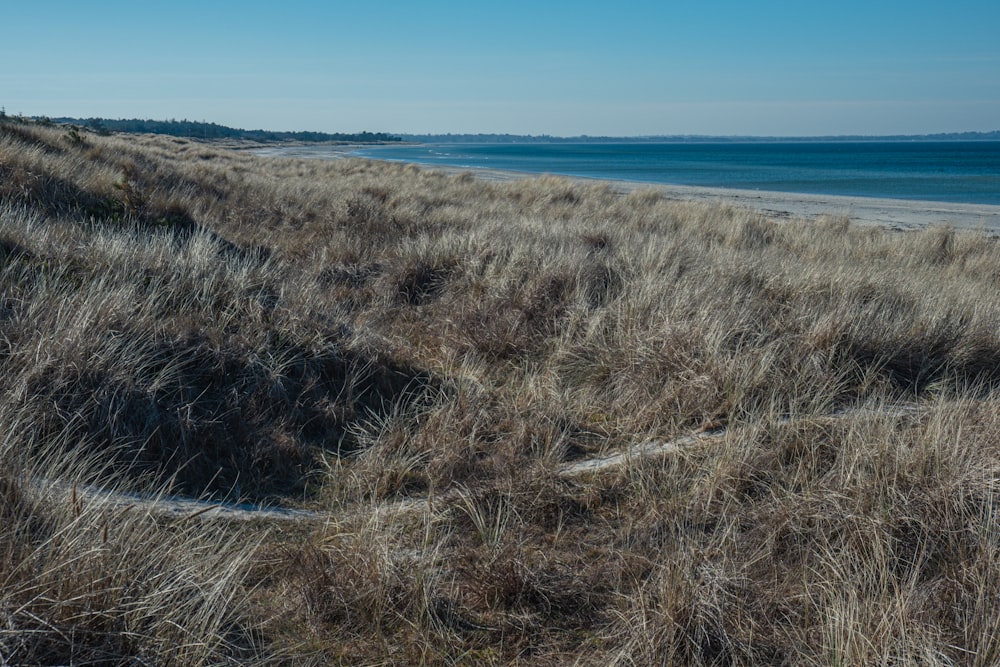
{"x":218,"y":418}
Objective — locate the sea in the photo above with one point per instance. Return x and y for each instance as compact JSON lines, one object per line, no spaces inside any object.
{"x":946,"y":171}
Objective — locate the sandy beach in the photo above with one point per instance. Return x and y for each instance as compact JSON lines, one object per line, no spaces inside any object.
{"x":892,"y":213}
{"x":901,"y":214}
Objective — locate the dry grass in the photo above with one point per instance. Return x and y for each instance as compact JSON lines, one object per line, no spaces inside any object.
{"x":419,"y":355}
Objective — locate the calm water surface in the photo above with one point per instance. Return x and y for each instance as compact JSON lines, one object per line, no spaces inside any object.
{"x":934,"y":171}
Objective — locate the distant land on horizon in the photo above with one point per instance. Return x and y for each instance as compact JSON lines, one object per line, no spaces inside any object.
{"x":206,"y":130}
{"x":666,"y":138}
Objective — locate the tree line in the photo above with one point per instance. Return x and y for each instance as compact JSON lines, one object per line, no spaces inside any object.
{"x":203,"y":130}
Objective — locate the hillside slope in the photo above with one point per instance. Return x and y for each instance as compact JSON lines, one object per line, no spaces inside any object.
{"x":358,"y":337}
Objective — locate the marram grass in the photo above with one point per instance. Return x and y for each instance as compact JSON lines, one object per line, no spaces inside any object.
{"x":416,"y":356}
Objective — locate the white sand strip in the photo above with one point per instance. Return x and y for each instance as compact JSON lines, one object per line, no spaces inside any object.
{"x":902,"y":214}
{"x":163,"y":505}
{"x":650,"y":448}
{"x":180,"y":507}
{"x":892,"y":213}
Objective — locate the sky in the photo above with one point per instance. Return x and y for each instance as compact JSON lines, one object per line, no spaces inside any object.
{"x":556,"y":67}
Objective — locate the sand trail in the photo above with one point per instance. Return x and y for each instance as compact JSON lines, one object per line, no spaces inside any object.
{"x":184,"y":508}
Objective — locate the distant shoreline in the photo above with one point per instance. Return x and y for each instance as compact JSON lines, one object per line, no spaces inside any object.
{"x":899,"y":214}
{"x":992,"y":136}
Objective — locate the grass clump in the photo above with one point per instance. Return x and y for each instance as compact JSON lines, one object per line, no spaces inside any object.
{"x":86,"y":580}
{"x":418,"y":356}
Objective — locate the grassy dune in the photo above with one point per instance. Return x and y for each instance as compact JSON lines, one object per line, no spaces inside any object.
{"x":417,"y":356}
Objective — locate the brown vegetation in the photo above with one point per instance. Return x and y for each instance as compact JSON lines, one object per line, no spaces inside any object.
{"x":418,"y":355}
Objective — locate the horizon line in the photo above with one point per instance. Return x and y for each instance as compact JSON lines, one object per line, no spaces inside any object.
{"x":544,"y":135}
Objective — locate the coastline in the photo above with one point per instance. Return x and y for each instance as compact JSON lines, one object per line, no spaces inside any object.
{"x":897,"y":214}
{"x":902,"y":214}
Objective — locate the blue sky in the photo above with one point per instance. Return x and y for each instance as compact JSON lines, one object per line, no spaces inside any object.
{"x":563,"y":68}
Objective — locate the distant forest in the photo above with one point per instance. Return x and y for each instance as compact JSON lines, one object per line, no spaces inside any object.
{"x":202,"y":130}
{"x":548,"y":139}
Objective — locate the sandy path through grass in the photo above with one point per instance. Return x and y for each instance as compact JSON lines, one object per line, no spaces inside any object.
{"x":185,"y":508}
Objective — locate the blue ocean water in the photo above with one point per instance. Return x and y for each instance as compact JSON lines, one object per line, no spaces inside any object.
{"x":954,"y":171}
